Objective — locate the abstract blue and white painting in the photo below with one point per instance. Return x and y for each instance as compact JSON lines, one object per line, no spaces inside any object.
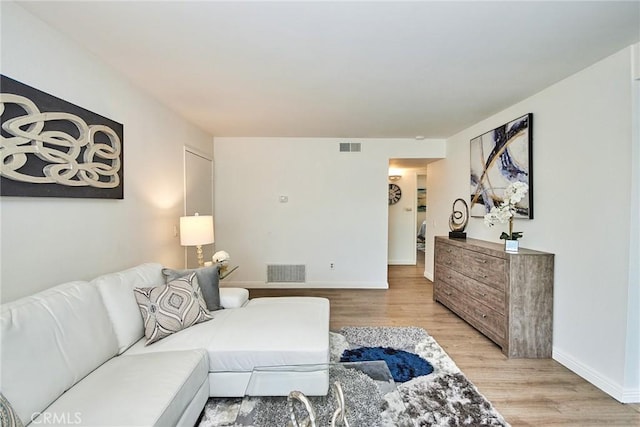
{"x":498,"y":158}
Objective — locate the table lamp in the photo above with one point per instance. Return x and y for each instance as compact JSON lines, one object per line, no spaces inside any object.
{"x":196,"y":230}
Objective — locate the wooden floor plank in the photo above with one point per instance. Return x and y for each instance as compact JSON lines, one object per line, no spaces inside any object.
{"x":527,"y":392}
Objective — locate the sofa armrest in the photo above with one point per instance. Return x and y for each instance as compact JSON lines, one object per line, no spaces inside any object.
{"x":233,"y":297}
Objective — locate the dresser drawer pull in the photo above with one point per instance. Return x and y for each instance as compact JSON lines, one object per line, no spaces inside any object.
{"x":448,"y":263}
{"x":484,"y":294}
{"x":484,"y":316}
{"x":481,"y":261}
{"x":484,"y":276}
{"x":447,"y":292}
{"x":448,"y":250}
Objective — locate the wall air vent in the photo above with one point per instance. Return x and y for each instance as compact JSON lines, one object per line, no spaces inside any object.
{"x":286,"y":273}
{"x":349,"y":147}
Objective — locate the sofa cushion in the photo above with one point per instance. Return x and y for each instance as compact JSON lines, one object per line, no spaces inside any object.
{"x":170,"y":308}
{"x":208,"y":280}
{"x":50,"y":341}
{"x":233,"y":297}
{"x":142,"y":390}
{"x":117,"y":293}
{"x":272,"y":332}
{"x":265,"y":332}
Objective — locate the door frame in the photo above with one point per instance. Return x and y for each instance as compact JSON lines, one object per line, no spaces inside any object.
{"x":190,"y":150}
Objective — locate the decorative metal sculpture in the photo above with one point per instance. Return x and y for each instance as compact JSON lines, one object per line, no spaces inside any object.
{"x":340,"y":414}
{"x":310,"y":420}
{"x":338,"y":419}
{"x":458,"y":220}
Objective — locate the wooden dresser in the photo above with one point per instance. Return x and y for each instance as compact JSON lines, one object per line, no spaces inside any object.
{"x":506,"y":296}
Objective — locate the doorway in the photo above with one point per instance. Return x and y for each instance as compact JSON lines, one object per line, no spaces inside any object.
{"x":421,"y":213}
{"x":407,"y":177}
{"x":198,"y":195}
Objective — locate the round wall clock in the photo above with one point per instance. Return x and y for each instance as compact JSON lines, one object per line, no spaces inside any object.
{"x":394,"y":194}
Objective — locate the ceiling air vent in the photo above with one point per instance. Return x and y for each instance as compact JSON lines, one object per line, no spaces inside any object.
{"x":349,"y":147}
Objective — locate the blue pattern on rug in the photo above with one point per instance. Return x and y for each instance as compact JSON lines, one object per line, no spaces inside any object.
{"x":402,"y":364}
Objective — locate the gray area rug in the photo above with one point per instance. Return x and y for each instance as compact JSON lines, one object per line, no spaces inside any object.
{"x":443,"y":398}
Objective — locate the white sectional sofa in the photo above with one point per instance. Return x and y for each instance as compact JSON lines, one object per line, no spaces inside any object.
{"x":75,"y":354}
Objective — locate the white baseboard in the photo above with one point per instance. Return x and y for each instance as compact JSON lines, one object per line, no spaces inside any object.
{"x":630,"y":396}
{"x":401,"y":262}
{"x":307,"y":285}
{"x":428,"y":275}
{"x":618,"y":392}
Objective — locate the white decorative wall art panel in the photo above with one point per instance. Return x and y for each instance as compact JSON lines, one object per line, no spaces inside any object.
{"x":52,"y":148}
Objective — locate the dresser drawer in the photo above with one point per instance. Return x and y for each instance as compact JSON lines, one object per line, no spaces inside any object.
{"x":449,"y":296}
{"x":491,"y":297}
{"x":449,"y":256}
{"x":450,"y":277}
{"x":488,"y":321}
{"x":485,"y":268}
{"x":487,"y":295}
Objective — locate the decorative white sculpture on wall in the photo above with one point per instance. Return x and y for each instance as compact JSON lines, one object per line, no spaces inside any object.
{"x":50,"y":147}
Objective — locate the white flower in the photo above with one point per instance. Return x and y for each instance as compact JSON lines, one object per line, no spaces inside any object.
{"x":500,"y":214}
{"x":488,"y":220}
{"x":515,"y":192}
{"x":220,"y":257}
{"x":503,"y":213}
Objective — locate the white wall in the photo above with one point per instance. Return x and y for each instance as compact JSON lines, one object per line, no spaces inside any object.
{"x":632,"y":368}
{"x":584,"y":159}
{"x":46,"y":241}
{"x":336,"y":213}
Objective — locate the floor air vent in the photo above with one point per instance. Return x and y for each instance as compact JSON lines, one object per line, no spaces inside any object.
{"x":286,"y":273}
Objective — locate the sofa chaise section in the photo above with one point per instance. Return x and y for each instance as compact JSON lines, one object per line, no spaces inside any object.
{"x":264,"y":332}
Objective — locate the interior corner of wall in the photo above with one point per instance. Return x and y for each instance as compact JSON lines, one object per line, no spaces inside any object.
{"x":635,"y":52}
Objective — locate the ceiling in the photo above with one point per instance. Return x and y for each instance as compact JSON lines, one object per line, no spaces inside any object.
{"x":343,"y":69}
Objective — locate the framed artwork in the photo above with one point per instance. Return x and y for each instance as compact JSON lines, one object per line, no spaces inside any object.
{"x":498,"y":158}
{"x":52,"y":148}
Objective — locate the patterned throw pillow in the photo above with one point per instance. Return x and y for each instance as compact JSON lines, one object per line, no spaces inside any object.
{"x":170,"y":308}
{"x":8,"y":416}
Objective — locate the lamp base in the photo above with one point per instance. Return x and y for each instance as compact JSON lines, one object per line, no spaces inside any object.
{"x":200,"y":256}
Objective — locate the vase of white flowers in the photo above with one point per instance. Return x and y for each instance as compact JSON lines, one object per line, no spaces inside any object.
{"x":505,"y":212}
{"x":222,"y":259}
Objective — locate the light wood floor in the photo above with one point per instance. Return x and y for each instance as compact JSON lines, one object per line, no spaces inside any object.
{"x":527,"y":392}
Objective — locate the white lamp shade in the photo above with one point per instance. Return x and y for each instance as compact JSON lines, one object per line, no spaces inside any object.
{"x":196,"y":230}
